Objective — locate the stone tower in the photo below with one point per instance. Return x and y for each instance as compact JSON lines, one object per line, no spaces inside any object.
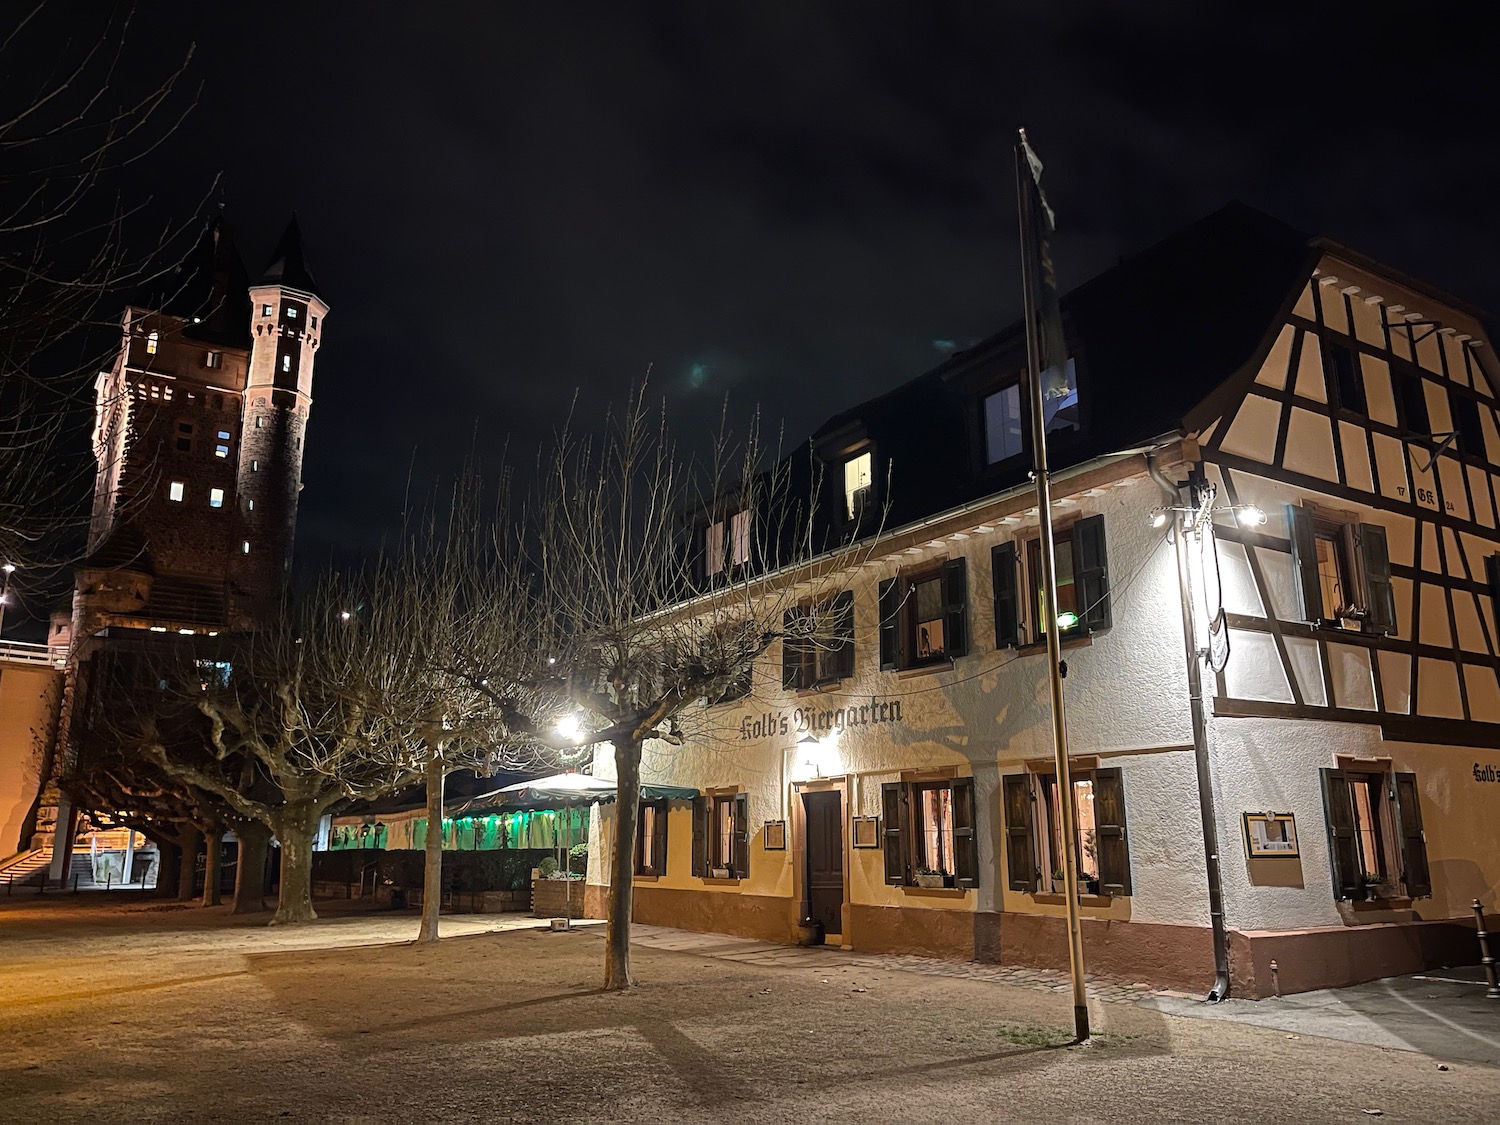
{"x":286,"y":324}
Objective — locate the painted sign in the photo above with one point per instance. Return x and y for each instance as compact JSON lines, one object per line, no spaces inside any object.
{"x":1486,"y":773}
{"x":804,"y":720}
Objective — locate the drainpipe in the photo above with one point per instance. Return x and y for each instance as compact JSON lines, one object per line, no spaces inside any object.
{"x":1206,"y":811}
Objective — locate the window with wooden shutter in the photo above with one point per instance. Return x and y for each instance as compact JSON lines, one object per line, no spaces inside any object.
{"x":893,"y":809}
{"x":1343,"y":844}
{"x":1305,"y":563}
{"x":741,"y":849}
{"x":956,"y":607}
{"x":890,"y":624}
{"x":1414,"y":872}
{"x":839,"y":659}
{"x":1111,"y":839}
{"x":1003,"y":573}
{"x":651,"y":839}
{"x":1091,"y":560}
{"x":701,"y":807}
{"x":1020,"y":852}
{"x":1375,"y":565}
{"x":965,"y":839}
{"x":793,"y":650}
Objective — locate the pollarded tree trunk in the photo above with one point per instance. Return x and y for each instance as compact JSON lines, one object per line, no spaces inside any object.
{"x":296,"y":827}
{"x":168,"y":864}
{"x":187,"y":871}
{"x":622,"y":871}
{"x":432,"y":867}
{"x":213,"y":848}
{"x":250,"y":868}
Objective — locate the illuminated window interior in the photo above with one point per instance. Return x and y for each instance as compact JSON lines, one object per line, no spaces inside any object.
{"x":935,"y":808}
{"x":175,"y":491}
{"x":152,"y":339}
{"x":858,"y":478}
{"x":215,"y":497}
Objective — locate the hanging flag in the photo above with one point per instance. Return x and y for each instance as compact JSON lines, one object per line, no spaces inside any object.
{"x":1059,"y":376}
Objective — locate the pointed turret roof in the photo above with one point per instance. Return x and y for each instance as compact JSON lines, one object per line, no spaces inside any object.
{"x":207,"y":287}
{"x":288,"y":267}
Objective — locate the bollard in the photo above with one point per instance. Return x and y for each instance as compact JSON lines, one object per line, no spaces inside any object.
{"x":108,"y":877}
{"x":75,"y":883}
{"x":1493,"y":991}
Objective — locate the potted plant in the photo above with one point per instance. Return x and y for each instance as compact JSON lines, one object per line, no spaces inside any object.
{"x":719,"y":872}
{"x":1059,"y":882}
{"x":809,"y":931}
{"x":930,"y":877}
{"x":1372,"y":883}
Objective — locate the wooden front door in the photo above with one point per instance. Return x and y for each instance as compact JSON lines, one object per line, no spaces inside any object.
{"x":825,"y":858}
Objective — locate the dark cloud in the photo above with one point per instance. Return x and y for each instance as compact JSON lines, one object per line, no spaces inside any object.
{"x":509,"y":202}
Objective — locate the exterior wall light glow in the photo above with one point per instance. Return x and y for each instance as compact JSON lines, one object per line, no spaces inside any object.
{"x":1067,"y":619}
{"x":1159,"y":518}
{"x":1249,"y":514}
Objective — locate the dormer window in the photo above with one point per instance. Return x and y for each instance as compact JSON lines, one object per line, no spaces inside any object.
{"x":726,"y":543}
{"x":1003,"y":427}
{"x":859,"y":479}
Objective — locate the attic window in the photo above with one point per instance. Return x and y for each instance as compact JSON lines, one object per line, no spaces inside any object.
{"x":1002,"y":424}
{"x":859,"y":476}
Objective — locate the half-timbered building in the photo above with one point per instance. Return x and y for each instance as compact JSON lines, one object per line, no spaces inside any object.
{"x":1278,"y":493}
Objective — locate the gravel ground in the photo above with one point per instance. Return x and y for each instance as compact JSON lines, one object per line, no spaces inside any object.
{"x":137,"y":1013}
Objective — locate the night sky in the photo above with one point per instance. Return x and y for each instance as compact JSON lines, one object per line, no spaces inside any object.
{"x":798,"y":204}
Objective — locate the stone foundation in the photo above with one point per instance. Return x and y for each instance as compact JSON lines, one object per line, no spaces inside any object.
{"x":559,"y":898}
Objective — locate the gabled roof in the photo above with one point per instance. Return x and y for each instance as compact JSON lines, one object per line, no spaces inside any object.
{"x":1153,"y":337}
{"x":288,"y":266}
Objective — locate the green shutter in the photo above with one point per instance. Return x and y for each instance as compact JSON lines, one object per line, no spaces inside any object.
{"x":892,"y":805}
{"x":1005,"y":576}
{"x":1109,"y":825}
{"x":890,"y":624}
{"x":741,"y":846}
{"x":701,"y":808}
{"x":956,"y":607}
{"x":1091,"y":573}
{"x":791,"y":651}
{"x":965,"y":839}
{"x":1020,"y":852}
{"x":1343,"y":847}
{"x":1414,"y":872}
{"x":1375,"y":564}
{"x":1299,"y":526}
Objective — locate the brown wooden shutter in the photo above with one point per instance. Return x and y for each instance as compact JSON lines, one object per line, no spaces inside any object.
{"x":1343,"y":847}
{"x":892,"y":805}
{"x":1414,"y":872}
{"x":741,"y":847}
{"x":1109,"y":824}
{"x":701,"y":808}
{"x":1091,"y":572}
{"x":842,"y":654}
{"x":659,"y":841}
{"x":791,"y":651}
{"x":1375,"y":565}
{"x":1020,"y":852}
{"x":956,"y":607}
{"x":1005,"y":576}
{"x":965,"y":839}
{"x":890,"y":624}
{"x":1305,"y":562}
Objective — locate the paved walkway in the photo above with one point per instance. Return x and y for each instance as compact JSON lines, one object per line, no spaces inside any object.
{"x":1443,"y":1013}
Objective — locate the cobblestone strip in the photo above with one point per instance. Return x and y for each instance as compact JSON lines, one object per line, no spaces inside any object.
{"x":750,"y":952}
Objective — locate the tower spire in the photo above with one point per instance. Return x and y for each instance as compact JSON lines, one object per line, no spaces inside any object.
{"x":288,"y":265}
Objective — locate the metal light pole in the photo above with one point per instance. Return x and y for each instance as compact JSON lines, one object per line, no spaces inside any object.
{"x":1049,"y":598}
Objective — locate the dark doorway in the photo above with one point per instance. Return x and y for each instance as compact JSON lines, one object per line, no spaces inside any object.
{"x":825,"y":858}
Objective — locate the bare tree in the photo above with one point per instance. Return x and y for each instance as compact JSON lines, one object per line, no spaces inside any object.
{"x":64,"y":252}
{"x":666,"y":577}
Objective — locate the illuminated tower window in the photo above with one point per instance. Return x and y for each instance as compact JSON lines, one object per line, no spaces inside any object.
{"x":215,"y":497}
{"x":260,"y":422}
{"x":265,"y":310}
{"x":152,"y":339}
{"x":286,"y":363}
{"x":291,"y":312}
{"x":245,"y":547}
{"x":214,"y":359}
{"x":222,"y":448}
{"x":175,"y":490}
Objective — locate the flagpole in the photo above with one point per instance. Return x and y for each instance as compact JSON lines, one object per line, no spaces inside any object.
{"x":1029,"y":258}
